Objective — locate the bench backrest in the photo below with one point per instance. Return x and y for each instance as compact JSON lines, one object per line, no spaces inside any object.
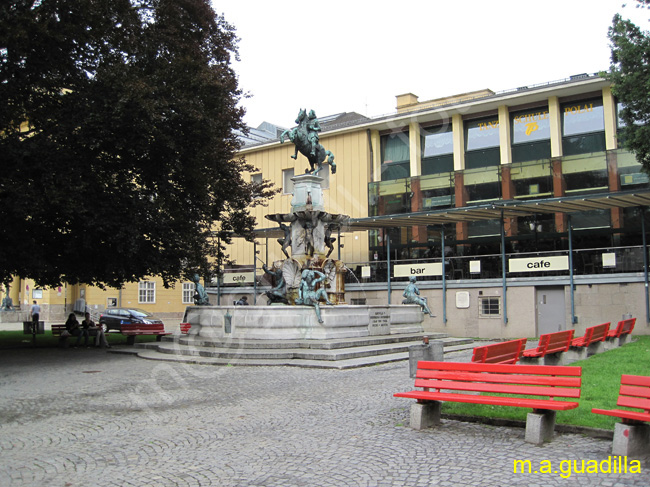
{"x":560,"y":341}
{"x":635,"y":392}
{"x":538,"y":380}
{"x":499,"y":353}
{"x":593,"y":334}
{"x":624,"y":327}
{"x":599,"y":333}
{"x":142,"y":327}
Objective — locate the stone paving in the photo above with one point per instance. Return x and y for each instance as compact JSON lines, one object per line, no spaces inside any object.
{"x":85,"y":417}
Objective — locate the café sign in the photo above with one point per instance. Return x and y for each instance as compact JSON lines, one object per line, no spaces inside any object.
{"x":539,"y":264}
{"x":238,"y":277}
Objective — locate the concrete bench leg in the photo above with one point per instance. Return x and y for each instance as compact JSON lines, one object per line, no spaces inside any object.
{"x":596,"y":348}
{"x":574,"y":354}
{"x":425,"y":414}
{"x":631,"y":439}
{"x":556,"y":358}
{"x":531,"y":360}
{"x":540,"y":426}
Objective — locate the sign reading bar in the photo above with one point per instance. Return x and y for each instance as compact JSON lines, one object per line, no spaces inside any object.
{"x":238,"y":277}
{"x":539,"y":264}
{"x":408,"y":270}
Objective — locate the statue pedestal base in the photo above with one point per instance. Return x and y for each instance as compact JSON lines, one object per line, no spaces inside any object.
{"x":298,"y":322}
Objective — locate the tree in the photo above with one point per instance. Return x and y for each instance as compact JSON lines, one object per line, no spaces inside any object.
{"x":118,"y":140}
{"x":630,"y":75}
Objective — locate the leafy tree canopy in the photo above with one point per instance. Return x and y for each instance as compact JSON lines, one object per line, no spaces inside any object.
{"x":118,"y":140}
{"x":630,"y":75}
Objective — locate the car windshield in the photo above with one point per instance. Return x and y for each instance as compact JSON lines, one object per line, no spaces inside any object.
{"x":139,"y":313}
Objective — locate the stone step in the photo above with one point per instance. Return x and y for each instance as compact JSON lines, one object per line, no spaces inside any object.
{"x":286,"y":353}
{"x":327,"y":344}
{"x":338,"y":357}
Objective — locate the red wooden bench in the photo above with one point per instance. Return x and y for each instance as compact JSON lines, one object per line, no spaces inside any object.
{"x":462,"y":381}
{"x":624,"y":327}
{"x":560,"y":341}
{"x":499,"y":353}
{"x":593,"y":334}
{"x":632,"y":436}
{"x":131,"y":330}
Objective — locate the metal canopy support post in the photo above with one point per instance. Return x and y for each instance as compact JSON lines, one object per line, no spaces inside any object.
{"x":645,"y":267}
{"x":503,"y":270}
{"x":388,"y":263}
{"x":574,"y":318}
{"x":219,"y":272}
{"x":444,"y":277}
{"x":254,"y":271}
{"x":339,"y":241}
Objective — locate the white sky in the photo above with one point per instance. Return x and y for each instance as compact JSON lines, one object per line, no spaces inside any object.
{"x":340,"y":56}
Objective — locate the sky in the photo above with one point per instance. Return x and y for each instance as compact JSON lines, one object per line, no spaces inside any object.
{"x":355,"y":56}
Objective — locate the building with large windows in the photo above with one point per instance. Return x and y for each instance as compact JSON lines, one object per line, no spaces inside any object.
{"x":518,"y":210}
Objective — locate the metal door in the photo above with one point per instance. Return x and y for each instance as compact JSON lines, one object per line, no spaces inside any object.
{"x":551,"y":315}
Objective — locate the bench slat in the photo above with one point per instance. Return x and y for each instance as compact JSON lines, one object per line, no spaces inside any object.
{"x":491,"y":400}
{"x":499,"y":388}
{"x":621,"y":413}
{"x":635,"y":380}
{"x":539,"y":380}
{"x":633,"y":402}
{"x":635,"y":391}
{"x":540,"y":370}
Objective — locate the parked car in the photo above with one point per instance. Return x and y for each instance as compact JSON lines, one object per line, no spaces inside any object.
{"x":112,"y":318}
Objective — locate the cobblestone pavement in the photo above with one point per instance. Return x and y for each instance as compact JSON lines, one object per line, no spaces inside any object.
{"x":84,"y":417}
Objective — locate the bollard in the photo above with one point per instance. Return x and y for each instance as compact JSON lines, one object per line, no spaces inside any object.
{"x":429,"y":350}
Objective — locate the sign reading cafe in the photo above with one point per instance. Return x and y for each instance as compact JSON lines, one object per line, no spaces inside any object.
{"x":539,"y":264}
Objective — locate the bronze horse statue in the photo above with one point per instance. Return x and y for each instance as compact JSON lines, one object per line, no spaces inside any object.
{"x":305,"y":138}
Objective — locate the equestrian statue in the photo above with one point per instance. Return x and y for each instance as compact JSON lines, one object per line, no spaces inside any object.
{"x":305,"y":138}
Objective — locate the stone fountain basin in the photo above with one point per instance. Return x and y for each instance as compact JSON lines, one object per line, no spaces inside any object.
{"x":280,"y":322}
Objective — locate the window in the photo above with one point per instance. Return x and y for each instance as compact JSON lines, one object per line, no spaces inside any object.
{"x":188,"y":293}
{"x":583,"y":127}
{"x":482,"y":143}
{"x":489,"y":306}
{"x":531,"y":135}
{"x":256,"y":178}
{"x":395,"y":156}
{"x":146,"y":292}
{"x":287,"y":183}
{"x":437,"y":150}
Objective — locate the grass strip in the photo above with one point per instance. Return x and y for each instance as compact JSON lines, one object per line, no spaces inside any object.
{"x":601,"y":380}
{"x":17,"y":339}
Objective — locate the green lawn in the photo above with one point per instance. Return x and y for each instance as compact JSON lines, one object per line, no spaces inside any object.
{"x":16,"y":339}
{"x":601,"y":378}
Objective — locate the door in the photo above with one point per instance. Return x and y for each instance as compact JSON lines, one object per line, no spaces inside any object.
{"x":551,"y":316}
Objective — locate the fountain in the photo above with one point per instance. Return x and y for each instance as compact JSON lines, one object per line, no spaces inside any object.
{"x":312,"y":304}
